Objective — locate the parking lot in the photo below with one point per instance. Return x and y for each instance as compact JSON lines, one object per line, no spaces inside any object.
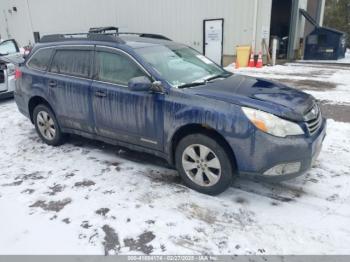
{"x":87,"y":197}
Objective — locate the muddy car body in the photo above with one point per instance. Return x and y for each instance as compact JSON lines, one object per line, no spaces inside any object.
{"x":164,"y":98}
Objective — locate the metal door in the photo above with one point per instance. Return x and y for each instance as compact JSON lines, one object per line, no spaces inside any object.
{"x":213,"y":39}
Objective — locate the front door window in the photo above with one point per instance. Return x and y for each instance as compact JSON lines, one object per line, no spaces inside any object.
{"x":116,"y":68}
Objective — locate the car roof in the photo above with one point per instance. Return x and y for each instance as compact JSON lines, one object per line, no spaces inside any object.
{"x":131,"y":41}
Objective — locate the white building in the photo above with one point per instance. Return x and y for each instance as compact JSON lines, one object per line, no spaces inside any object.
{"x":242,"y":22}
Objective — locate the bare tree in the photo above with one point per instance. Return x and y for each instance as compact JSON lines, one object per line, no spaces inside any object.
{"x":337,"y":16}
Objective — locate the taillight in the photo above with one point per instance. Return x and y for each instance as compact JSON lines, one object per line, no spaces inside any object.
{"x":26,"y":52}
{"x":18,"y":73}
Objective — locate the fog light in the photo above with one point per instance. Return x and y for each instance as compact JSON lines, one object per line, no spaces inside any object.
{"x":283,"y":169}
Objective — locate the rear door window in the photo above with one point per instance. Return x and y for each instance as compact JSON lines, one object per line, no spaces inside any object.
{"x":72,"y":62}
{"x":116,"y":68}
{"x":40,"y":60}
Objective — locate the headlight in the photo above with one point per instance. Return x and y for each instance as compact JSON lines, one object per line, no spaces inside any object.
{"x":272,"y":124}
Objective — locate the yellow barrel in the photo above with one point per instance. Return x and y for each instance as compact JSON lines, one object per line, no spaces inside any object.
{"x":243,"y":55}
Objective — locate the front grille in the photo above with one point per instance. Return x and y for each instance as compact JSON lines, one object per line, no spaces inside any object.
{"x":313,"y":119}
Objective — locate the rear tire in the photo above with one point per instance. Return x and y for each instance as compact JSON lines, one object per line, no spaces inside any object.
{"x":204,"y":164}
{"x":46,"y":125}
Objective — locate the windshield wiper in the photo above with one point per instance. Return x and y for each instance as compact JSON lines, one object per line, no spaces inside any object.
{"x":223,"y":75}
{"x":192,"y":84}
{"x":199,"y":83}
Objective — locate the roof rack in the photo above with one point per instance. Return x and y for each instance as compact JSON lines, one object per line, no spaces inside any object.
{"x":82,"y":36}
{"x":112,"y":30}
{"x":104,"y":30}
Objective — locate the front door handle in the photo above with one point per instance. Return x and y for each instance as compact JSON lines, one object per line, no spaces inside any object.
{"x":100,"y":94}
{"x":52,"y":83}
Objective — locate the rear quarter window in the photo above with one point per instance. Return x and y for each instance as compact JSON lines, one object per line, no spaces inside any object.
{"x":40,"y":59}
{"x":72,"y":62}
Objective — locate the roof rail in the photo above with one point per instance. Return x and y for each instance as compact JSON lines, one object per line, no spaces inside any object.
{"x":146,"y":35}
{"x":105,"y":34}
{"x":81,"y":36}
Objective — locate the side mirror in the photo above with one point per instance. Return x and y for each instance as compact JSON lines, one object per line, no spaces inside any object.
{"x":140,"y":83}
{"x":157,"y":87}
{"x":143,"y":83}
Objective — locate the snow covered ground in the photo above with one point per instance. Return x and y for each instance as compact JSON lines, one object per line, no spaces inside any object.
{"x":87,"y":197}
{"x":326,"y":82}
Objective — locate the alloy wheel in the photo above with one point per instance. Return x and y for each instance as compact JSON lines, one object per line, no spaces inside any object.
{"x":46,"y":125}
{"x":201,"y":165}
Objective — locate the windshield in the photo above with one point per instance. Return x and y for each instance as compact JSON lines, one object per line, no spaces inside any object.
{"x":180,"y":65}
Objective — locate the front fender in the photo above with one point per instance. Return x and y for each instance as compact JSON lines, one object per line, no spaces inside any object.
{"x":225,"y":119}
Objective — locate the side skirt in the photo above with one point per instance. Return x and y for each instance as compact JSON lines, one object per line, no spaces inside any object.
{"x":118,"y":143}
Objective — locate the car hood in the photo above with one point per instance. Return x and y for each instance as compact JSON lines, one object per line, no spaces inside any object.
{"x":258,"y":93}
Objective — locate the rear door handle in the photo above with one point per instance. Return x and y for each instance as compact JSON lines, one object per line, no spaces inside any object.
{"x":100,"y":94}
{"x":52,"y":83}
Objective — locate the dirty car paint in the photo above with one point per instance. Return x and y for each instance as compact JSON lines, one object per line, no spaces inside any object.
{"x":149,"y":121}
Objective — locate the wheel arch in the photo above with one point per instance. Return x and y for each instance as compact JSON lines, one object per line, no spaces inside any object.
{"x":190,"y":129}
{"x":35,"y":101}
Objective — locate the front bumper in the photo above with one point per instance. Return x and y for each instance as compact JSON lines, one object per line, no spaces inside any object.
{"x":7,"y":87}
{"x":271,"y":151}
{"x":5,"y":95}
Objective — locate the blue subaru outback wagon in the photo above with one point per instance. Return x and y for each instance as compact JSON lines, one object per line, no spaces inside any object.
{"x":166,"y":99}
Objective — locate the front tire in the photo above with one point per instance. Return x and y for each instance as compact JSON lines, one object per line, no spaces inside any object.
{"x":46,"y":125}
{"x":203,"y":164}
